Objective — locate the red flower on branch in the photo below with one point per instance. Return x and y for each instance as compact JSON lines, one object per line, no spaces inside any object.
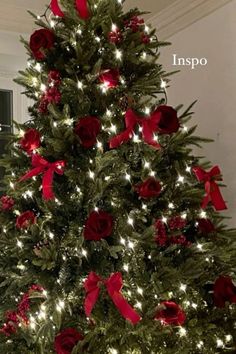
{"x":30,"y":140}
{"x":54,"y":78}
{"x":67,"y":340}
{"x":224,"y":291}
{"x":87,"y":130}
{"x":26,"y":219}
{"x":169,"y":122}
{"x":170,"y":313}
{"x":205,"y":226}
{"x":150,"y":188}
{"x":7,"y":203}
{"x":40,"y":41}
{"x":98,"y":225}
{"x":115,"y":36}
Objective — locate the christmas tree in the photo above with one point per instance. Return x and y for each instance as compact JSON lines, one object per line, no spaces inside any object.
{"x":111,"y":236}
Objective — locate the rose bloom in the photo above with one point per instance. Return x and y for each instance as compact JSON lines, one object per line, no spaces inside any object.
{"x":87,"y":130}
{"x":98,"y":225}
{"x":205,"y":226}
{"x":169,"y":122}
{"x":30,"y":140}
{"x":170,"y":314}
{"x":39,"y":41}
{"x":224,"y":291}
{"x":67,"y":340}
{"x":6,"y":203}
{"x":25,"y":220}
{"x":149,"y":188}
{"x":110,"y":77}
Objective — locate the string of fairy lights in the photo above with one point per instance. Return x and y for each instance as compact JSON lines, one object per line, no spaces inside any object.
{"x":35,"y":319}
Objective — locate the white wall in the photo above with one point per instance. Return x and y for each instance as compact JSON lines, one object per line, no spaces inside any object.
{"x":214,"y":85}
{"x":12,"y":59}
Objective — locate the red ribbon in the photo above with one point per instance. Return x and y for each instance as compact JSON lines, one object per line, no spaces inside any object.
{"x":149,"y":126}
{"x":213,"y":193}
{"x":40,"y":165}
{"x":113,"y":285}
{"x":81,"y":7}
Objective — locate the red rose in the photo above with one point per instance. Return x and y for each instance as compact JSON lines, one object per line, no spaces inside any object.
{"x":25,"y":220}
{"x":30,"y":140}
{"x":54,"y":77}
{"x":39,"y":41}
{"x":170,"y":313}
{"x":149,"y":188}
{"x":115,"y":36}
{"x":224,"y":291}
{"x":67,"y":340}
{"x":110,"y":77}
{"x":7,"y":203}
{"x":87,"y":130}
{"x":169,"y":122}
{"x":98,"y":225}
{"x":205,"y":226}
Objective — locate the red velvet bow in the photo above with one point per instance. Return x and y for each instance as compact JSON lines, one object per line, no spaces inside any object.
{"x":149,"y":126}
{"x":113,"y":285}
{"x":213,"y":193}
{"x":40,"y":165}
{"x":81,"y":6}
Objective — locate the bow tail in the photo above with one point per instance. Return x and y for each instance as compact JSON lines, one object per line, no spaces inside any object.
{"x":120,"y":139}
{"x":216,"y":197}
{"x":48,"y":193}
{"x":148,"y":135}
{"x":82,"y":8}
{"x":55,"y":8}
{"x":124,"y":307}
{"x":32,"y":173}
{"x":90,"y":300}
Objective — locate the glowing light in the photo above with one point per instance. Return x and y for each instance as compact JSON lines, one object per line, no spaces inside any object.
{"x":185,"y":128}
{"x":43,"y":87}
{"x":171,"y":206}
{"x":146,"y":29}
{"x":80,"y":85}
{"x":91,"y":174}
{"x":55,"y":124}
{"x":200,"y":344}
{"x":184,"y":215}
{"x":200,"y":246}
{"x":164,"y":219}
{"x":51,"y":235}
{"x":127,"y":176}
{"x":35,"y":81}
{"x":181,"y":179}
{"x":52,"y":23}
{"x":228,"y":338}
{"x":113,"y":128}
{"x":203,"y":214}
{"x":144,"y":206}
{"x":126,"y":267}
{"x":38,"y":67}
{"x":108,"y":113}
{"x":19,"y":244}
{"x":99,"y":145}
{"x":130,"y":221}
{"x":219,"y":343}
{"x":144,"y":56}
{"x":136,"y":138}
{"x":140,"y":291}
{"x":147,"y":110}
{"x":113,"y":351}
{"x":182,"y":332}
{"x":131,"y":245}
{"x":163,"y":84}
{"x":138,"y":305}
{"x":188,"y":169}
{"x":118,"y":54}
{"x":152,"y":173}
{"x":183,"y":287}
{"x":122,"y":241}
{"x":84,"y":252}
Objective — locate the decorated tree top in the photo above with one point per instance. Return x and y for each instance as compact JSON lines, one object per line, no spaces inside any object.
{"x":111,"y":237}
